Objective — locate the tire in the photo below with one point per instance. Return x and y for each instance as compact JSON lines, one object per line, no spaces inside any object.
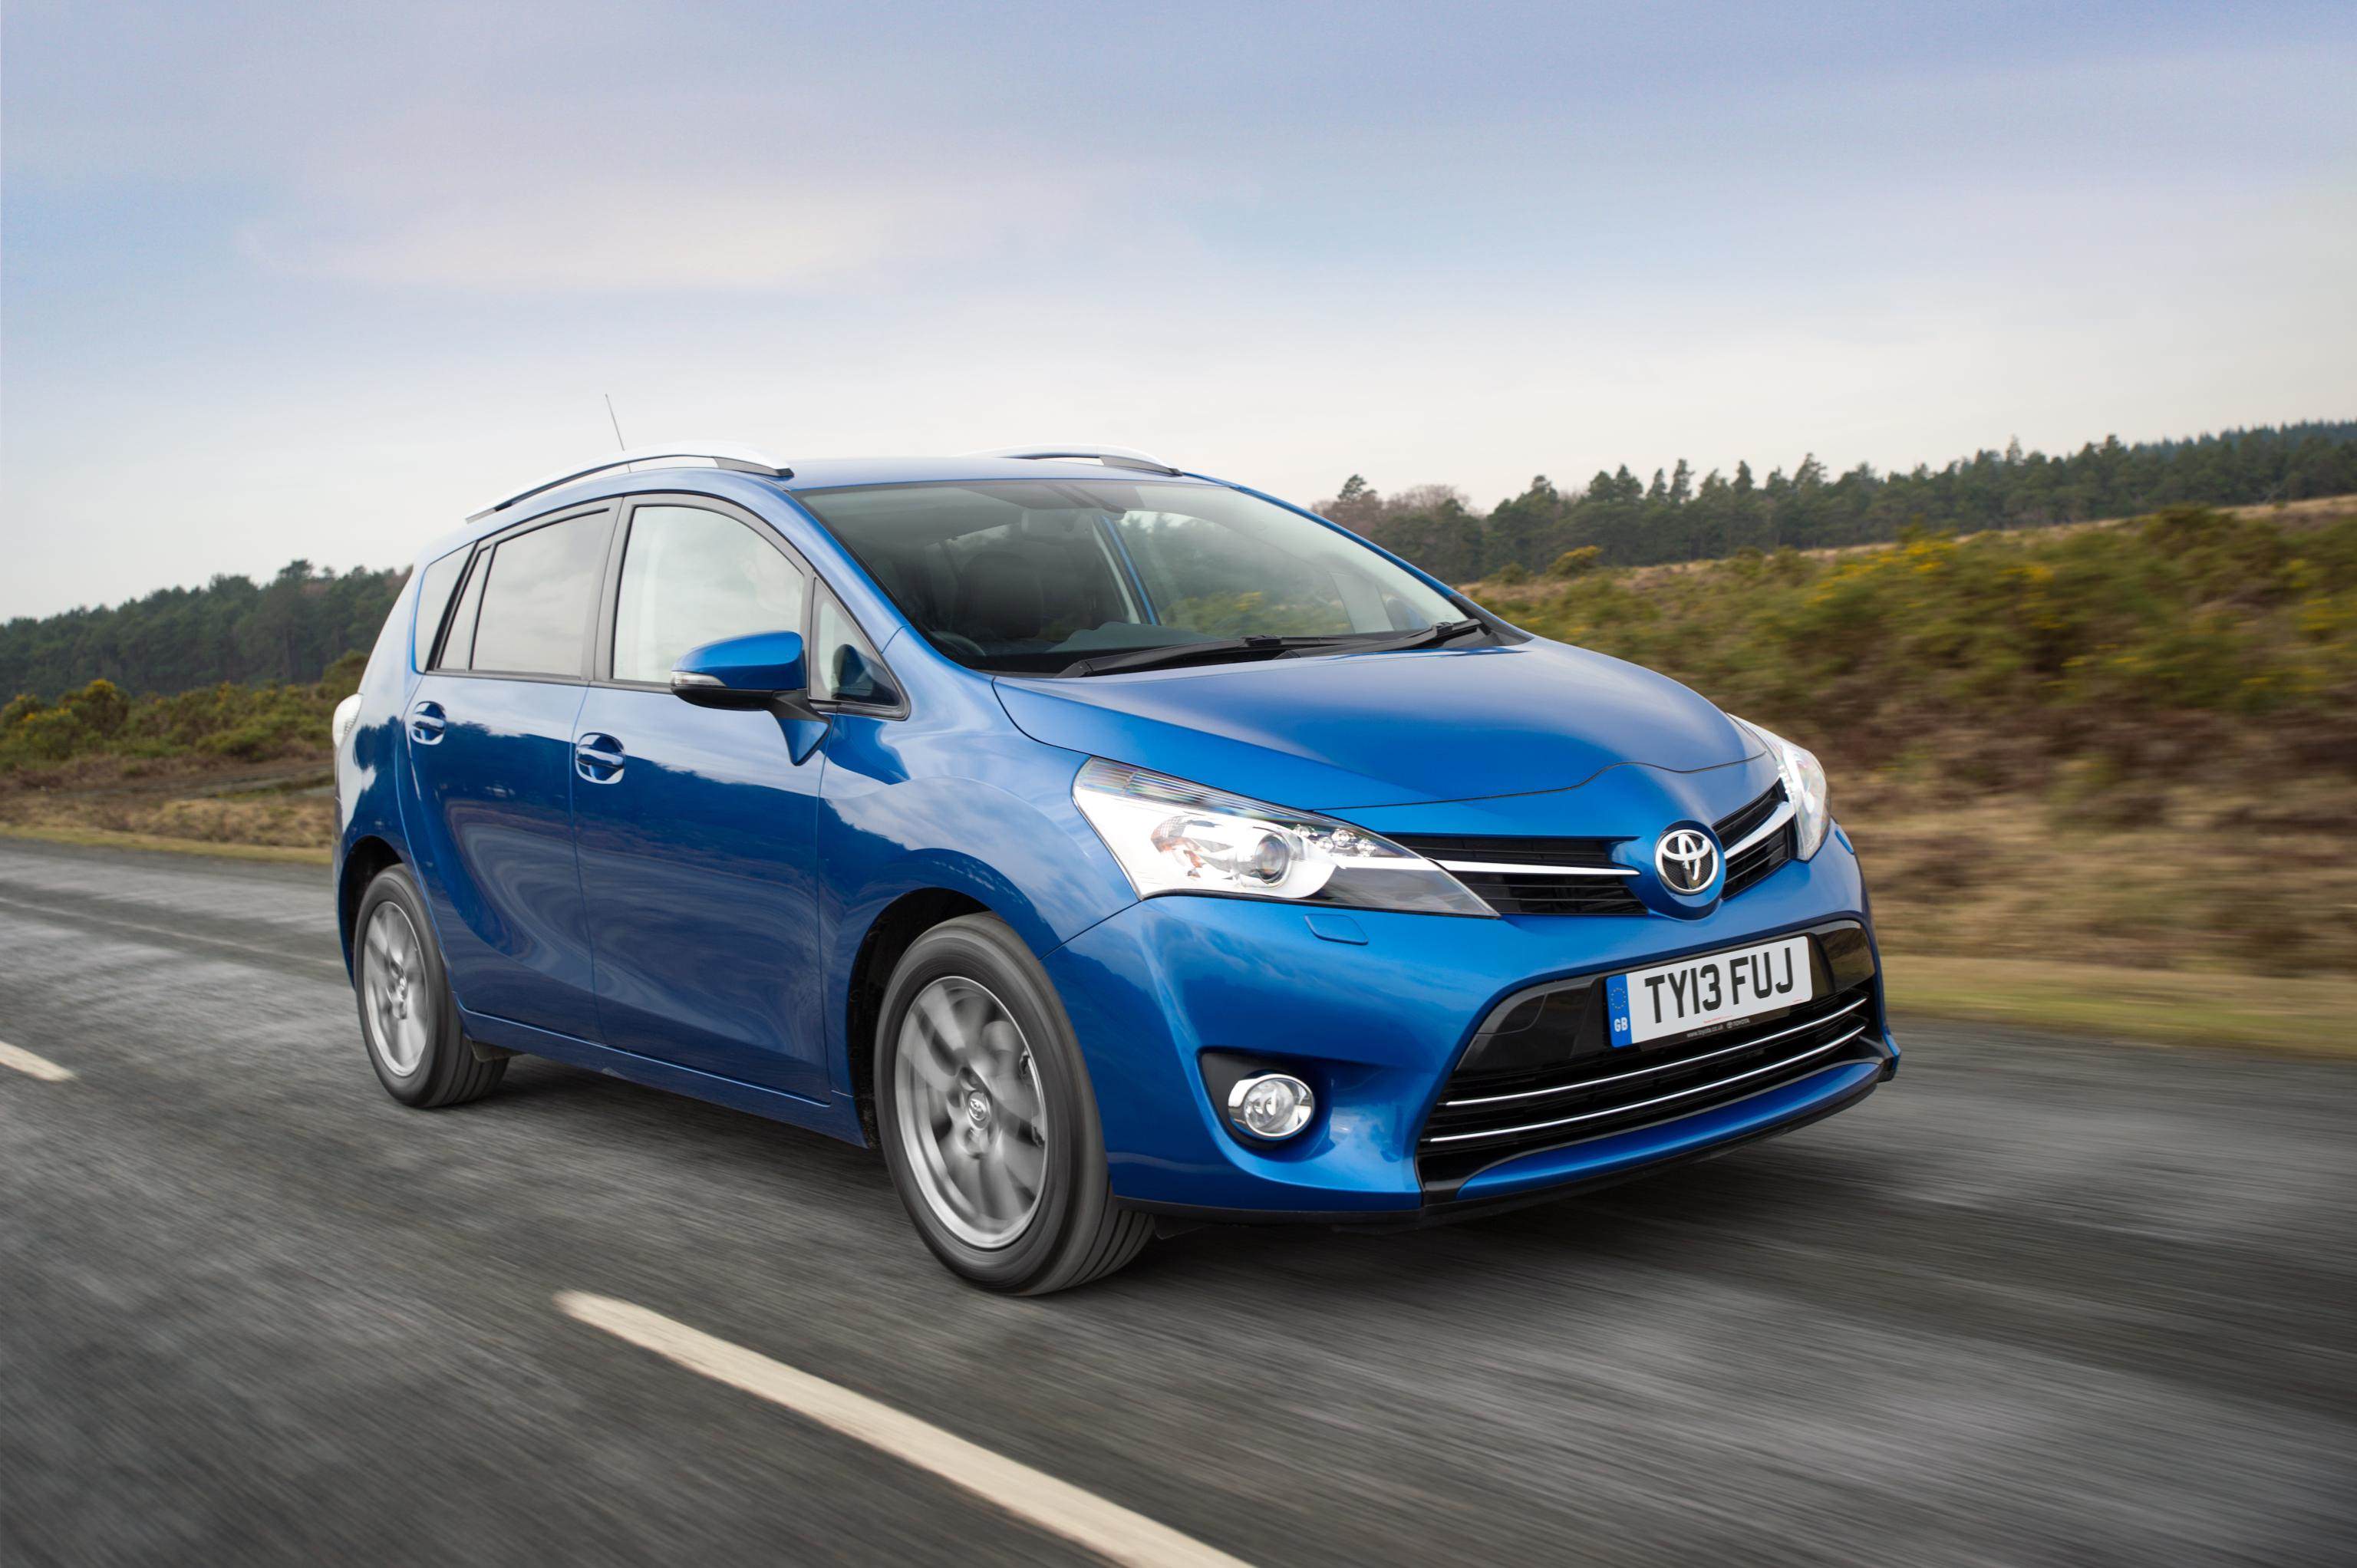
{"x":981,"y":1091}
{"x":410,"y":1027}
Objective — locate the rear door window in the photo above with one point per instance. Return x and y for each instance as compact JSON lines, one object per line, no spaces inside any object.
{"x":539,"y":596}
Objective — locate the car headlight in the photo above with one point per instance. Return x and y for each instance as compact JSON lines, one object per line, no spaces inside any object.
{"x":1804,"y":786}
{"x":1171,"y":836}
{"x":348,"y":713}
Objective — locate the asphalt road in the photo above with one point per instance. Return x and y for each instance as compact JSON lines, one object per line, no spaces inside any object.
{"x":2037,"y":1301}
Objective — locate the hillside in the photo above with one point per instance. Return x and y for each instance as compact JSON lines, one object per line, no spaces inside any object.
{"x":2194,"y":644}
{"x":291,"y":628}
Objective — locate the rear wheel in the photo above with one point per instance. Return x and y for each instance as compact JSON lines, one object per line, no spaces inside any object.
{"x":409,"y":1019}
{"x":988,"y":1124}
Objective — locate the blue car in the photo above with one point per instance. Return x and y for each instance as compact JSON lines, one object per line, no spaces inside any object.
{"x":1116,"y":848}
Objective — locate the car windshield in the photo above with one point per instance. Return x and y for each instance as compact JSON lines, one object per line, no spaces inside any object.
{"x":1051,"y":576}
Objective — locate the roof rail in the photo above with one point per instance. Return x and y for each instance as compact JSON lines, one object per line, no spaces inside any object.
{"x":1111,"y":456}
{"x":728,"y":455}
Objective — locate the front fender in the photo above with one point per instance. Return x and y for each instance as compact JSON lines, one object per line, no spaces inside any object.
{"x":910,"y":807}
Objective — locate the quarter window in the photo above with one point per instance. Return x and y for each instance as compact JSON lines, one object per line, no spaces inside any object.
{"x":458,"y":642}
{"x":434,"y":586}
{"x":843,"y":665}
{"x":691,"y":576}
{"x":538,"y":597}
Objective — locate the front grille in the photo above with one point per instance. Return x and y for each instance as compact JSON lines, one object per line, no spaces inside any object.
{"x":1737,"y":826}
{"x":1486,"y":1115}
{"x":1560,"y":881}
{"x":1745,"y":869}
{"x":1553,"y":884}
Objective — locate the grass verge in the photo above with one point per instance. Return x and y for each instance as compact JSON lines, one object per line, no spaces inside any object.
{"x":2306,"y":1016}
{"x":104,"y":838}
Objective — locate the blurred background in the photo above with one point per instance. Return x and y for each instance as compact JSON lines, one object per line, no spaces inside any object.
{"x":1964,"y":392}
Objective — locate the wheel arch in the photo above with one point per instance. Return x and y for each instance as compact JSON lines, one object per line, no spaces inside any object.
{"x":895,"y":928}
{"x":367,"y":855}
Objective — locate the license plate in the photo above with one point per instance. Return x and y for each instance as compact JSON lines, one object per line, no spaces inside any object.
{"x":1716,"y":988}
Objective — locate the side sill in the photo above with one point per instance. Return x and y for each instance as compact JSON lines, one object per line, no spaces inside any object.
{"x":832,"y":1118}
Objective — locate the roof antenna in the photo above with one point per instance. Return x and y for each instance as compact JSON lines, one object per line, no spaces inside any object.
{"x":620,"y":444}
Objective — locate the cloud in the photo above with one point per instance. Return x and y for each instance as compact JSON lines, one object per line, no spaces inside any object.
{"x":696,"y":192}
{"x":575,"y":234}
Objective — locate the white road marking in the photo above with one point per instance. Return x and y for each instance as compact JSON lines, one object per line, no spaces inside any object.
{"x":1106,"y":1528}
{"x":24,"y":1061}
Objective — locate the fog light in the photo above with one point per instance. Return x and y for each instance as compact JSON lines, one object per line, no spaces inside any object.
{"x":1271,"y":1105}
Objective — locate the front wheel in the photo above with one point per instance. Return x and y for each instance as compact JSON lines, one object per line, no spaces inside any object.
{"x":988,"y":1124}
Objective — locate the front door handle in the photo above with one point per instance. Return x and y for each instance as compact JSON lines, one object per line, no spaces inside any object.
{"x":597,"y":757}
{"x":427,"y":723}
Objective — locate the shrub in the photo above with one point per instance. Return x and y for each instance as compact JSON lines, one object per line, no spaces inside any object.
{"x":249,"y":723}
{"x":99,"y":707}
{"x":2004,"y":654}
{"x":50,"y":735}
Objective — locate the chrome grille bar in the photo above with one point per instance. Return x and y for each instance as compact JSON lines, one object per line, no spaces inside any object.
{"x":1855,"y":1030}
{"x":1774,"y":824}
{"x":1516,"y":868}
{"x":1589,"y":1083}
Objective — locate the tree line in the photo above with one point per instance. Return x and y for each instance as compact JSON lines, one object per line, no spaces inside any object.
{"x":1679,"y":516}
{"x":293,"y":627}
{"x":178,"y":640}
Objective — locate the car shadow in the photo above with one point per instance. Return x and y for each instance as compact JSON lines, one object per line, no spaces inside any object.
{"x":1687,"y":1217}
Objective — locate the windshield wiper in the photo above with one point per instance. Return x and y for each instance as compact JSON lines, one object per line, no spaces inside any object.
{"x":1266,"y":647}
{"x":1430,"y":636}
{"x":1172,"y":653}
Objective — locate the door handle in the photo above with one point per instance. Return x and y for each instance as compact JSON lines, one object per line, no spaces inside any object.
{"x":427,"y":723}
{"x":597,"y":757}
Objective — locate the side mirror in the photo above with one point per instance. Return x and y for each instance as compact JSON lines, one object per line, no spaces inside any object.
{"x":763,"y":670}
{"x":857,"y":682}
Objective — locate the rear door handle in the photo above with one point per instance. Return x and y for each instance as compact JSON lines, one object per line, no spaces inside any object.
{"x":597,"y":757}
{"x":427,"y":723}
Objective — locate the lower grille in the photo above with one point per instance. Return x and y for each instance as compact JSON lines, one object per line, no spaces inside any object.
{"x":1486,"y":1117}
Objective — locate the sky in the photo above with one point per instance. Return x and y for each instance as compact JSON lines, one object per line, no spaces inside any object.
{"x":314,"y":280}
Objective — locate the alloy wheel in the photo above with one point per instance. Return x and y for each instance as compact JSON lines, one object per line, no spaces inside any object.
{"x":394,"y":990}
{"x":970,"y":1115}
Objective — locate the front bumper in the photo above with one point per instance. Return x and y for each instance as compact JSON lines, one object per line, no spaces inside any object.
{"x":1377,"y":1025}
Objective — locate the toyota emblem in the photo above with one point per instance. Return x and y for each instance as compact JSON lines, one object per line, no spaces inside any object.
{"x":1686,"y":860}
